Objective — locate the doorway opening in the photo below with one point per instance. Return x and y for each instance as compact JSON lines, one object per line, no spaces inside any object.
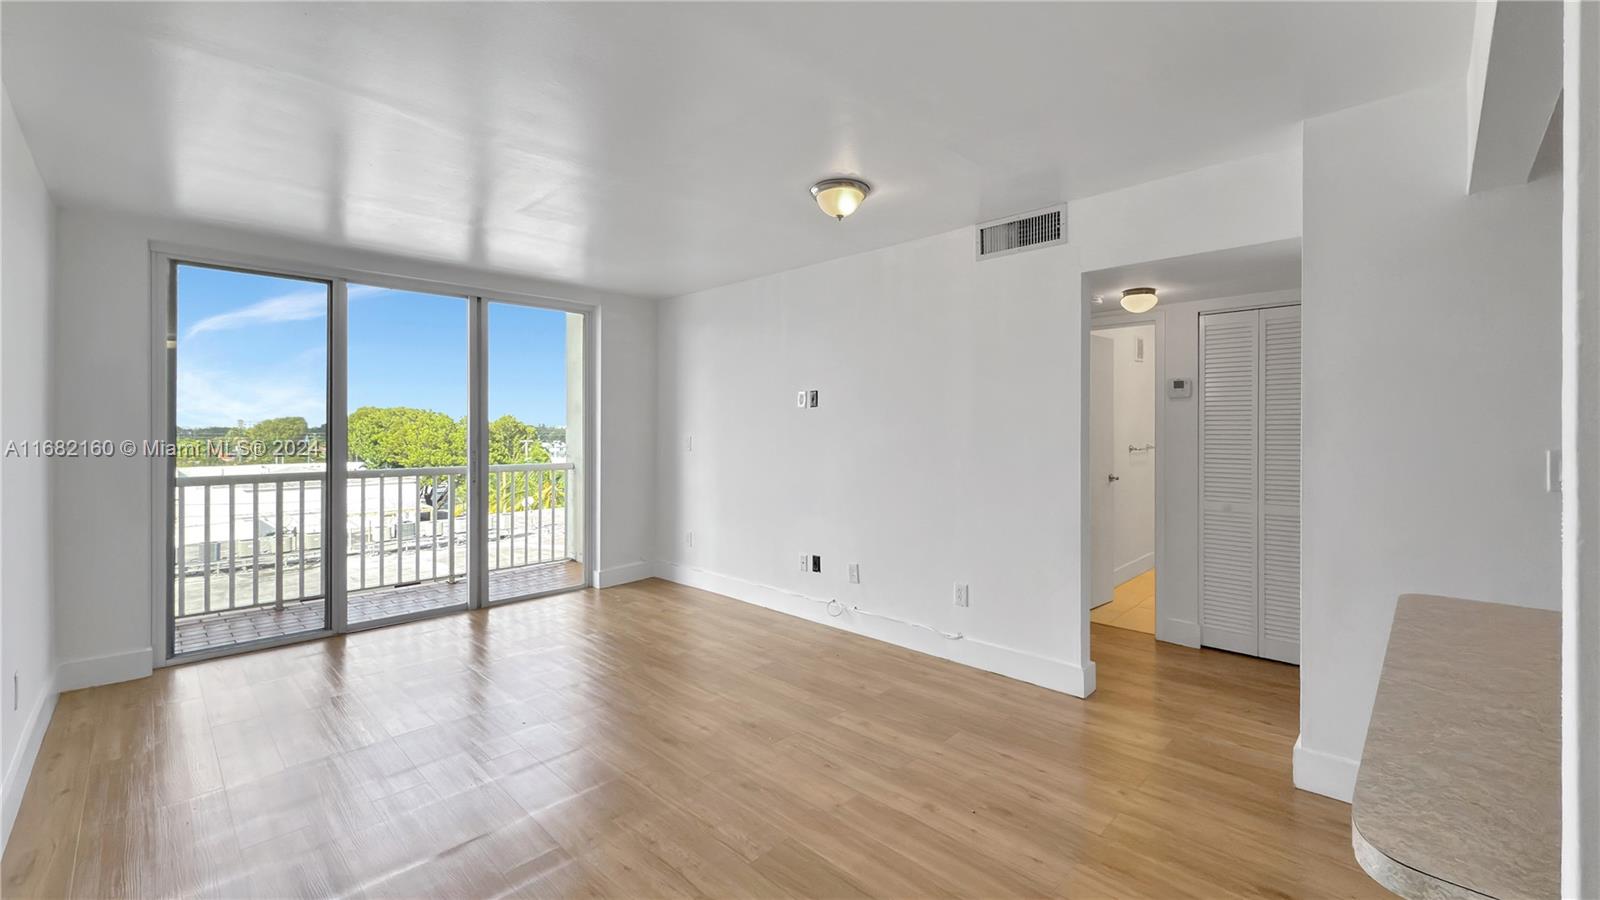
{"x":1220,"y":510}
{"x":1122,"y":453}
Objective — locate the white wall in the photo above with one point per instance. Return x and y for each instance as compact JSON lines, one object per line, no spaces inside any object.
{"x":1133,"y":415}
{"x":1431,"y":373}
{"x":102,"y":389}
{"x":27,"y":232}
{"x":945,"y":448}
{"x":1255,"y":200}
{"x":948,"y":444}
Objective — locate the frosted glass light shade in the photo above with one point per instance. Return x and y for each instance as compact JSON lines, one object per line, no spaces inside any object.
{"x":839,"y":197}
{"x":1138,"y":300}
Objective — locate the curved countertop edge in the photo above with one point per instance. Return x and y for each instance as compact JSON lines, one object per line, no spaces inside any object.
{"x":1401,"y":878}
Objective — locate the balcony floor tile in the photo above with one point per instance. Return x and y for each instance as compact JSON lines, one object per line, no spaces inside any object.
{"x":210,"y":632}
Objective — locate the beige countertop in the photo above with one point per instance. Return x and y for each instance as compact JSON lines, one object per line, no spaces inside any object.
{"x":1459,"y":789}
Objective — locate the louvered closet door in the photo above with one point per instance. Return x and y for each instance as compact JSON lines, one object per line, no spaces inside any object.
{"x":1230,"y":546}
{"x":1280,"y":484}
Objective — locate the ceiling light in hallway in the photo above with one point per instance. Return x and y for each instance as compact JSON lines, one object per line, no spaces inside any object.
{"x":1139,"y":299}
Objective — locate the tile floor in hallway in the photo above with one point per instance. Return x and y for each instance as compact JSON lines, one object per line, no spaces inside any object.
{"x":1132,"y":606}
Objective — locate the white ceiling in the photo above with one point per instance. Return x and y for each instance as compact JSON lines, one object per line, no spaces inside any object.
{"x":1234,"y":272}
{"x":659,"y":148}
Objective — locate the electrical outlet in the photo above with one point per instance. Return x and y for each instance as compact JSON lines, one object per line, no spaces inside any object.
{"x":689,"y":443}
{"x":800,"y":400}
{"x":962,"y":598}
{"x":855,"y":573}
{"x":805,"y":562}
{"x":688,"y":539}
{"x":816,"y":564}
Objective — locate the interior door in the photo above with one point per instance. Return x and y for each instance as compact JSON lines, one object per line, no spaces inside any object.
{"x":1280,"y":484}
{"x":1229,"y":481}
{"x":1102,"y":478}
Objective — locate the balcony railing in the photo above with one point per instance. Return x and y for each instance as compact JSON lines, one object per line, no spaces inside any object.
{"x":248,"y":540}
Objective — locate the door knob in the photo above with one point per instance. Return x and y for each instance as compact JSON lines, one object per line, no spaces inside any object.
{"x":1113,"y":478}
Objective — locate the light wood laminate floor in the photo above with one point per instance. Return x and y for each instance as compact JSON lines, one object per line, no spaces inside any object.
{"x":653,"y":740}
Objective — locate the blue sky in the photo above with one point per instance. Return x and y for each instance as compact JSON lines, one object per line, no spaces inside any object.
{"x":254,"y":347}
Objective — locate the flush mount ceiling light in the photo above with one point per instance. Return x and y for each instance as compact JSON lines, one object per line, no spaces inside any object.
{"x":839,"y":197}
{"x":1139,"y":299}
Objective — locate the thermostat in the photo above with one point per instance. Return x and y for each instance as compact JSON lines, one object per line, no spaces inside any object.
{"x":1178,"y":388}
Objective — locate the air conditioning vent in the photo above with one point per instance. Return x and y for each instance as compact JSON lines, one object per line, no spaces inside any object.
{"x":1036,"y":229}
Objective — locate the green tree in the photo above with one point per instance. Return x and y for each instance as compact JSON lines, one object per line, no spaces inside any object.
{"x":401,"y":437}
{"x":268,"y":439}
{"x":512,"y":440}
{"x":283,"y":429}
{"x":194,"y":451}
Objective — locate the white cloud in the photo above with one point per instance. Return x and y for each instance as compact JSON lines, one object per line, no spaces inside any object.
{"x":294,"y":307}
{"x":215,"y":390}
{"x":297,"y":306}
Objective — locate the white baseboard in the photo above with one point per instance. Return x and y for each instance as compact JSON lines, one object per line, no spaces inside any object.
{"x":1134,"y":567}
{"x":1055,"y":674}
{"x":1177,"y":631}
{"x":16,"y":778}
{"x":1324,"y":773}
{"x":616,"y":575}
{"x":96,"y":670}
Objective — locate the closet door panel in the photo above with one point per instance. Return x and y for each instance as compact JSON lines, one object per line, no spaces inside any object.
{"x":1230,"y":481}
{"x":1280,"y":484}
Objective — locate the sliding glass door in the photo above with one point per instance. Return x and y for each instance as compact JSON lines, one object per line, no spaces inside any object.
{"x":407,"y":506}
{"x":459,"y":429}
{"x":533,"y":395}
{"x":248,"y":474}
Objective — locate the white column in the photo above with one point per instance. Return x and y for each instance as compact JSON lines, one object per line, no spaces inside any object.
{"x":1580,"y":442}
